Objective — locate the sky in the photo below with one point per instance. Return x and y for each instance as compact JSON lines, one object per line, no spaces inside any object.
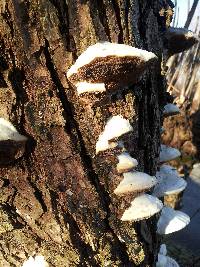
{"x":183,"y":10}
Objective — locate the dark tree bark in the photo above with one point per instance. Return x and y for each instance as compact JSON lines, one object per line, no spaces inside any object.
{"x":57,"y":199}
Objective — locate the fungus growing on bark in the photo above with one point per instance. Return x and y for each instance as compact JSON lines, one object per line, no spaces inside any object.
{"x":170,"y":110}
{"x":12,"y":144}
{"x":135,"y":182}
{"x":169,"y":182}
{"x":116,"y":127}
{"x":126,"y":162}
{"x":85,"y":87}
{"x":168,"y":153}
{"x":171,"y":221}
{"x":38,"y":261}
{"x":111,"y":64}
{"x":179,"y":40}
{"x":142,"y":207}
{"x":164,"y":260}
{"x":163,"y":249}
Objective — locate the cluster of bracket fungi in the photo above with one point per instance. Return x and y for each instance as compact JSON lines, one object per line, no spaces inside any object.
{"x":100,"y":70}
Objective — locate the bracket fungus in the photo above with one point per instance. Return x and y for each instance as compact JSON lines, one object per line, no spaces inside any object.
{"x":109,"y":66}
{"x":142,"y":207}
{"x":164,"y":260}
{"x":126,"y":162}
{"x":171,"y":221}
{"x":168,"y":153}
{"x":38,"y":261}
{"x":169,"y":182}
{"x":12,"y":144}
{"x":135,"y":182}
{"x":179,"y":40}
{"x":170,"y":110}
{"x":115,"y":127}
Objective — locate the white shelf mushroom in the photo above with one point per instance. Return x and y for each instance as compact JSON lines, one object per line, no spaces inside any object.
{"x":9,"y":132}
{"x":170,"y":110}
{"x":115,"y":128}
{"x":179,"y":40}
{"x":168,"y":153}
{"x":171,"y":221}
{"x":86,"y":87}
{"x":164,"y":260}
{"x":169,"y":182}
{"x":142,"y":207}
{"x":126,"y":162}
{"x":38,"y":261}
{"x":109,"y":63}
{"x":163,"y":249}
{"x":135,"y":182}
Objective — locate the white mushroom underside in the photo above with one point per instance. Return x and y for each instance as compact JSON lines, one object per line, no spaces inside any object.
{"x":163,"y":249}
{"x":115,"y":127}
{"x":104,"y":49}
{"x":169,"y":182}
{"x":135,"y":182}
{"x":171,"y":221}
{"x":38,"y":261}
{"x":9,"y":132}
{"x":142,"y":207}
{"x":103,"y":144}
{"x":165,"y":261}
{"x":168,"y":153}
{"x":170,"y":109}
{"x":126,"y":162}
{"x":85,"y":87}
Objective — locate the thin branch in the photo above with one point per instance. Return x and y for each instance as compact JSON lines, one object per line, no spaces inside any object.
{"x":191,"y":14}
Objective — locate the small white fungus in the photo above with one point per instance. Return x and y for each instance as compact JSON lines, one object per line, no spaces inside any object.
{"x":163,"y":249}
{"x":135,"y":182}
{"x":126,"y":162}
{"x":171,"y":221}
{"x":9,"y":132}
{"x":170,"y":109}
{"x":105,"y":49}
{"x":169,"y":182}
{"x":142,"y":207}
{"x":115,"y":127}
{"x":162,"y":260}
{"x":38,"y":261}
{"x":85,"y":87}
{"x":168,"y":153}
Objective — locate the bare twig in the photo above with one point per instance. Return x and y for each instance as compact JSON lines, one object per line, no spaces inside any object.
{"x":191,"y":14}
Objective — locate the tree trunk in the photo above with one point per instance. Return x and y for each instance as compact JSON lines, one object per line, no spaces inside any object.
{"x":57,"y":199}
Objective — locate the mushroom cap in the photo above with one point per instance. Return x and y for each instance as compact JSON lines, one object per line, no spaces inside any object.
{"x":110,"y":62}
{"x":85,"y":87}
{"x":163,"y":249}
{"x":142,"y":207}
{"x":169,"y":182}
{"x":179,"y":40}
{"x":9,"y":132}
{"x":168,"y":153}
{"x":170,"y":109}
{"x":162,"y":260}
{"x":116,"y":126}
{"x":126,"y":162}
{"x":135,"y":182}
{"x":171,"y":221}
{"x":171,"y":262}
{"x":103,"y":144}
{"x":38,"y":261}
